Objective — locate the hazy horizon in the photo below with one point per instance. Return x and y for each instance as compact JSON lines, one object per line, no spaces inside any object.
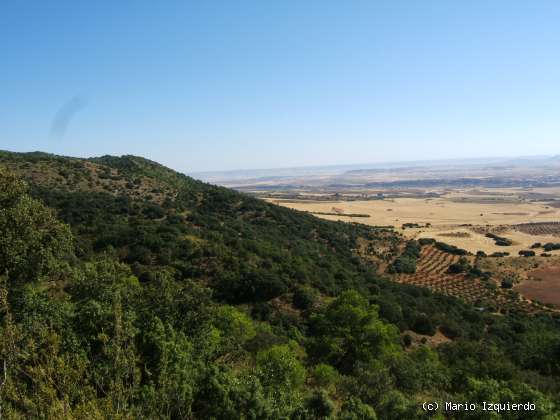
{"x":329,"y":168}
{"x":365,"y":165}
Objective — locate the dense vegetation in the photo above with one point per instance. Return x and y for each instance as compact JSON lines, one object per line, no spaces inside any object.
{"x":452,"y":249}
{"x":130,"y":291}
{"x":499,"y":240}
{"x":406,"y":262}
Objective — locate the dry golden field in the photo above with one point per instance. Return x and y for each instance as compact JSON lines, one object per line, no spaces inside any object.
{"x":457,"y":217}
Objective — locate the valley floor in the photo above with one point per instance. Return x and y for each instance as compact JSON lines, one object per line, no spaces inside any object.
{"x":458,"y":217}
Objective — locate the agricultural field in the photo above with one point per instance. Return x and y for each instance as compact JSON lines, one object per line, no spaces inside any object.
{"x":461,"y":217}
{"x":542,"y":285}
{"x":505,"y":216}
{"x":506,"y":221}
{"x":540,"y":228}
{"x":432,"y":272}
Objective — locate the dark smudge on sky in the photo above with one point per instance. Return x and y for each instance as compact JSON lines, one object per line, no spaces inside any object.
{"x":65,"y":114}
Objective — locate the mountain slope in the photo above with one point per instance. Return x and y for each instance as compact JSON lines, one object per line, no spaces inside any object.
{"x":156,"y":217}
{"x":171,"y":298}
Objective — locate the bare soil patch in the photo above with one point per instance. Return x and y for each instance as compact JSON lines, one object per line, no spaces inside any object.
{"x":433,"y":341}
{"x":542,"y":285}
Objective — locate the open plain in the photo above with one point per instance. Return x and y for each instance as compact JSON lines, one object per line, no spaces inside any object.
{"x":459,"y":217}
{"x":504,"y":213}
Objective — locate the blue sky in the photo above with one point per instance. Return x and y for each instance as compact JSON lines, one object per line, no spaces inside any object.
{"x":212,"y":85}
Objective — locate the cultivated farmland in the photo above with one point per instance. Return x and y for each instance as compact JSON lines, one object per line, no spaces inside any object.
{"x":459,"y":217}
{"x":540,"y":228}
{"x":432,"y":273}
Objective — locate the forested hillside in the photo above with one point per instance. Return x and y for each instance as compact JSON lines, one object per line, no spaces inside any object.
{"x":128,"y":290}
